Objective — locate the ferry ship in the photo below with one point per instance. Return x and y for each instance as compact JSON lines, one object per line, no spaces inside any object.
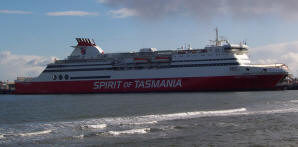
{"x":221,"y":66}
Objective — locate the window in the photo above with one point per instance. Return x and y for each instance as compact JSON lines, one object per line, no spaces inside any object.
{"x":60,"y":77}
{"x":66,"y":77}
{"x":54,"y":77}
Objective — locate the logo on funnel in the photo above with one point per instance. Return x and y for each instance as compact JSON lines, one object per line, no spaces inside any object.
{"x":83,"y":51}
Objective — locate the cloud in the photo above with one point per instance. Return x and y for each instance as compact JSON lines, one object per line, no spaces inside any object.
{"x":123,"y":13}
{"x":208,"y":8}
{"x":72,"y":13}
{"x":13,"y":66}
{"x":14,"y":12}
{"x":278,"y":53}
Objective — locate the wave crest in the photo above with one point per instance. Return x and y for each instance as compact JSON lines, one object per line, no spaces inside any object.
{"x":132,"y":131}
{"x":35,"y":133}
{"x":100,"y":126}
{"x":195,"y":114}
{"x":144,"y":123}
{"x":2,"y":136}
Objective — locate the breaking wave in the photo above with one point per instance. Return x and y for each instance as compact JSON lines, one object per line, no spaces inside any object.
{"x":27,"y":134}
{"x":101,"y":123}
{"x":100,"y":126}
{"x":155,"y":118}
{"x":293,"y":101}
{"x":2,"y":136}
{"x":187,"y":115}
{"x":277,"y":111}
{"x":79,"y":136}
{"x":116,"y":126}
{"x":144,"y":123}
{"x":132,"y":131}
{"x":200,"y":114}
{"x":35,"y":133}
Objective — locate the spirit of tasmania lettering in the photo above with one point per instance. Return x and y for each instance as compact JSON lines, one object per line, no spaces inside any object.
{"x":170,"y":83}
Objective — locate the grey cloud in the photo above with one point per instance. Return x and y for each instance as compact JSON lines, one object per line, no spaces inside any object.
{"x":207,"y":8}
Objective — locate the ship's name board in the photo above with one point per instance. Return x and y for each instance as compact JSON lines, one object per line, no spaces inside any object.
{"x":172,"y":83}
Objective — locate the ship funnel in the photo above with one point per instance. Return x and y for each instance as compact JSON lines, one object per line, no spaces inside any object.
{"x":85,"y":42}
{"x":86,"y":48}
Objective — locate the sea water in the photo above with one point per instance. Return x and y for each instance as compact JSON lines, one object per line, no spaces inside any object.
{"x":268,"y":118}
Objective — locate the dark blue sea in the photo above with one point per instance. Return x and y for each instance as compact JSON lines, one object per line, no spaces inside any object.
{"x":248,"y":119}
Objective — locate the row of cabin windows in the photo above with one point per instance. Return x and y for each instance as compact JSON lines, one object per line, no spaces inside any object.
{"x":223,"y":59}
{"x":247,"y":69}
{"x":205,"y":54}
{"x":138,"y":67}
{"x":61,"y":77}
{"x":78,"y":65}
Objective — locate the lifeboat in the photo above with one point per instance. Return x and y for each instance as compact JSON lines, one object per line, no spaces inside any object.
{"x":141,"y":60}
{"x":161,"y":59}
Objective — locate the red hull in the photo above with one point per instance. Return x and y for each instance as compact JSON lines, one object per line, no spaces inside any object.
{"x":226,"y":83}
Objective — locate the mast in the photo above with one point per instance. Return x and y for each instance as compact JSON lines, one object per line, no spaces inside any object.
{"x":217,"y":42}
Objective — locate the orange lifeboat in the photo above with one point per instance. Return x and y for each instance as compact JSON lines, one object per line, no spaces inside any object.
{"x":161,"y":59}
{"x":141,"y":60}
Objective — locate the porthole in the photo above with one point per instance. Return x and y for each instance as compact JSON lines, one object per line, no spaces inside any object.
{"x":60,"y":77}
{"x":54,"y":77}
{"x":66,"y":77}
{"x":247,"y":69}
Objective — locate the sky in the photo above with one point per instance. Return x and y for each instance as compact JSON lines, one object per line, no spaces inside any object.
{"x":35,"y":32}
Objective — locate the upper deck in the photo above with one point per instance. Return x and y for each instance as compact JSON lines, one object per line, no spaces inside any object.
{"x":93,"y":53}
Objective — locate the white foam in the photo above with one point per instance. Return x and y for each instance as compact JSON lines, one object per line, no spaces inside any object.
{"x":79,"y":136}
{"x":294,"y":101}
{"x":35,"y":133}
{"x":101,"y":123}
{"x":277,"y":111}
{"x":70,"y":128}
{"x":133,"y":131}
{"x":144,"y":123}
{"x":152,"y":119}
{"x":2,"y":136}
{"x":100,"y":126}
{"x":194,"y":114}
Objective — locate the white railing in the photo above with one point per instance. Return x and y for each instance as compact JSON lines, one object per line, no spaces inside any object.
{"x":277,"y":65}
